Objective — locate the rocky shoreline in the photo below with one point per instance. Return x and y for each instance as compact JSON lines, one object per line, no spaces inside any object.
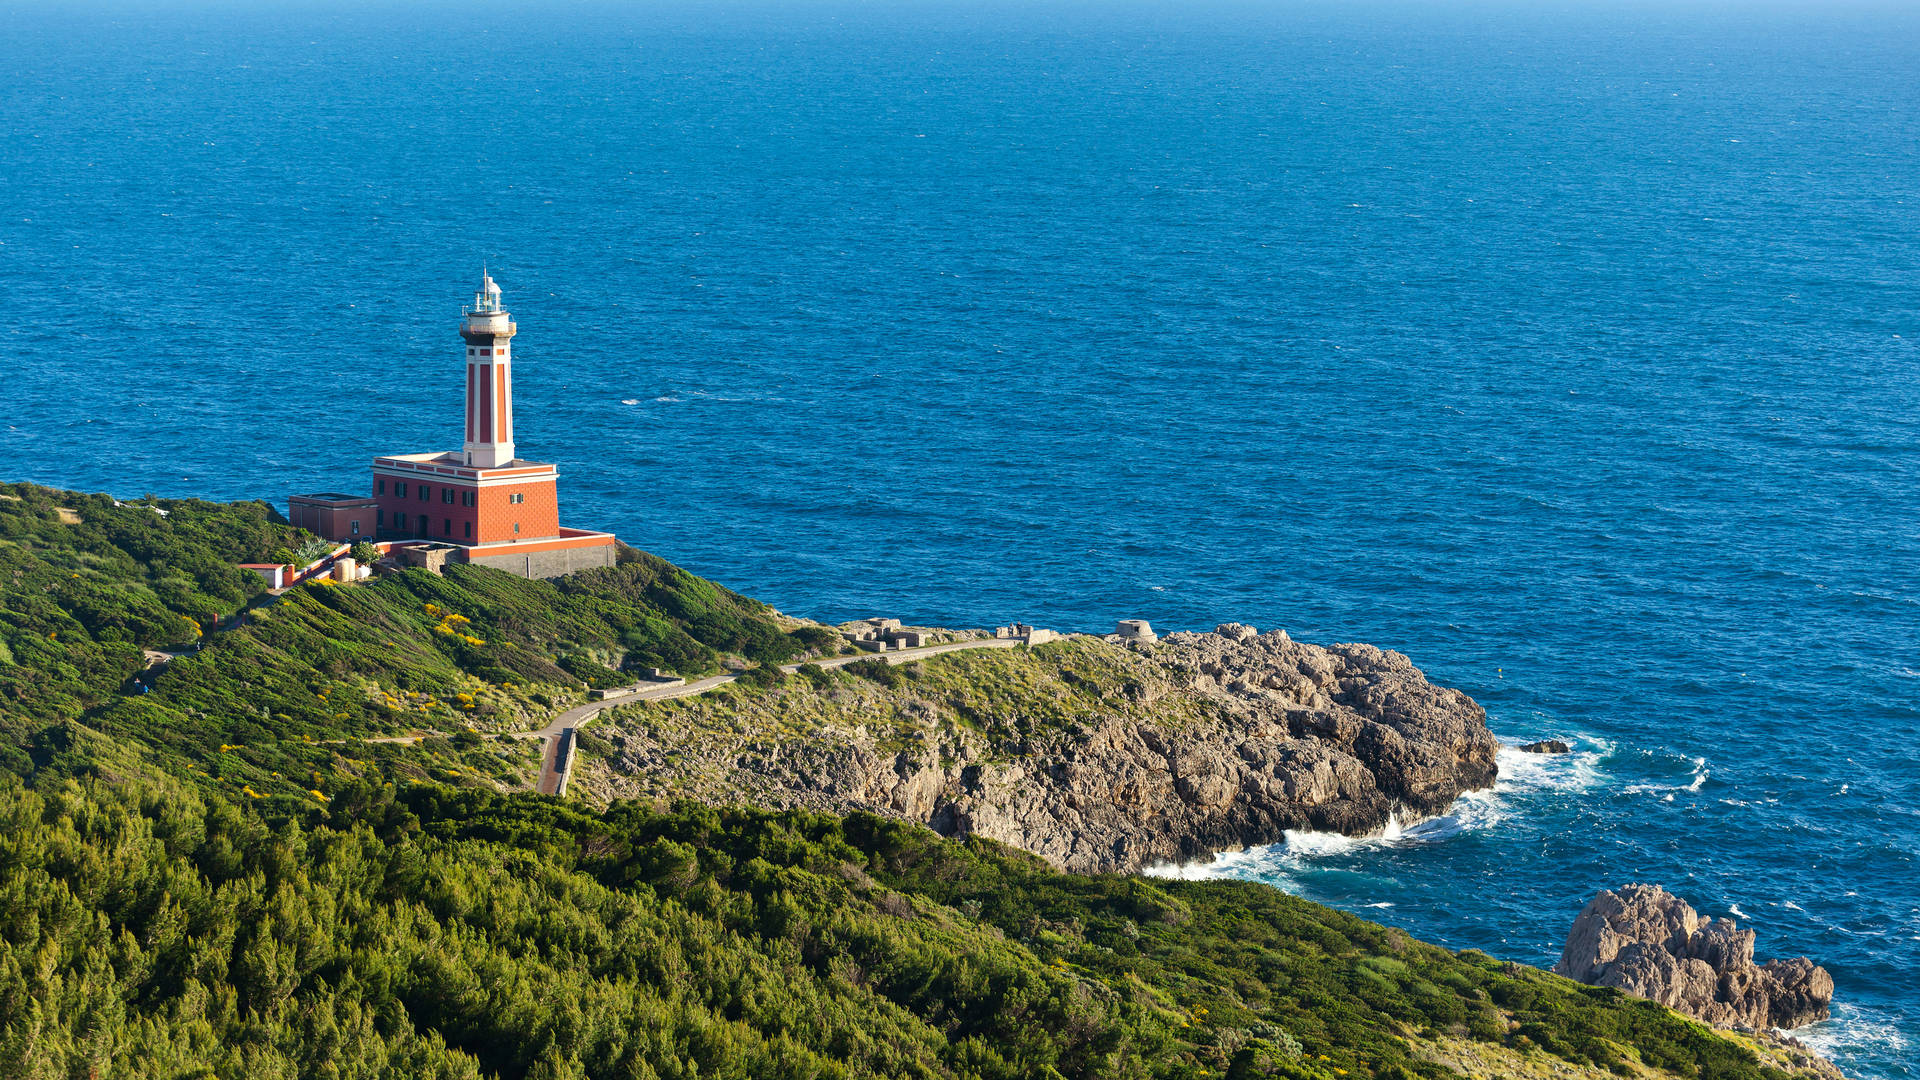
{"x":1650,"y":943}
{"x":1645,"y":941}
{"x":1165,"y":751}
{"x":1114,"y":755}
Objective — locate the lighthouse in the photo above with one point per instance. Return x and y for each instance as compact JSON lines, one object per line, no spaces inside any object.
{"x":483,"y":504}
{"x":488,"y":331}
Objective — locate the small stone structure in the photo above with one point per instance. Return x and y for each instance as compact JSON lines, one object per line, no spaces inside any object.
{"x":1022,"y":632}
{"x":430,"y":557}
{"x":883,"y":635}
{"x":275,"y":574}
{"x":1136,"y":630}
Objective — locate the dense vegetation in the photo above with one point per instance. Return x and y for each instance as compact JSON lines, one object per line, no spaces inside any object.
{"x":269,"y":697}
{"x":86,"y":581}
{"x":224,"y":877}
{"x":425,"y":931}
{"x":419,"y":649}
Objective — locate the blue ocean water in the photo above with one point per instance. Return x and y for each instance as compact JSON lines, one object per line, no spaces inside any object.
{"x":1572,"y":353}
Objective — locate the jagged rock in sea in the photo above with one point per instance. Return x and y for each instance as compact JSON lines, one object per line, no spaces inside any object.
{"x":1648,"y":942}
{"x":1213,"y":741}
{"x":1547,"y":746}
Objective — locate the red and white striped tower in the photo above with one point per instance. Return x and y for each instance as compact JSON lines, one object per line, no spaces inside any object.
{"x":488,"y":330}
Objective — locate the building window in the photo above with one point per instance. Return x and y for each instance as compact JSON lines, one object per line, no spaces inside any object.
{"x":468,"y":525}
{"x":379,"y":487}
{"x":446,"y":526}
{"x":516,"y":498}
{"x":356,"y":528}
{"x":466,"y":498}
{"x":379,"y":517}
{"x":425,"y":492}
{"x":516,"y":527}
{"x":400,"y":489}
{"x":446,"y":495}
{"x":400,"y":520}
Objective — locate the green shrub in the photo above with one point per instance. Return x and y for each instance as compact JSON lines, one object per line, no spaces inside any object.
{"x":875,"y":670}
{"x":762,"y":676}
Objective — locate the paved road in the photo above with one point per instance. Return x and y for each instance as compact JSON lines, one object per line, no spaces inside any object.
{"x":581,"y":715}
{"x":549,"y":775}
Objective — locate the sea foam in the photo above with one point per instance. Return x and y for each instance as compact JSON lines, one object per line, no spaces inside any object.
{"x":1852,"y":1031}
{"x":1521,"y":774}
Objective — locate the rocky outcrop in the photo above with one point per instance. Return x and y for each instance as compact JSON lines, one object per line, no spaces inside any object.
{"x":1648,"y":942}
{"x":1215,"y":741}
{"x":1546,"y":746}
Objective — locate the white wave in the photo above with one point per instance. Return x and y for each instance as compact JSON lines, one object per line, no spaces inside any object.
{"x":1308,"y":844}
{"x":1853,"y":1030}
{"x":1700,"y":774}
{"x":1576,"y":772}
{"x":1382,"y":904}
{"x":1791,"y":906}
{"x":629,"y":401}
{"x":1276,"y":863}
{"x":1233,"y":864}
{"x":1520,"y":774}
{"x":1279,"y":863}
{"x":1698,"y":781}
{"x":1737,"y":913}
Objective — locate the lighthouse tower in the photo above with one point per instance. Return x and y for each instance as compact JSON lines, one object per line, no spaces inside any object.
{"x":483,"y":505}
{"x":488,"y":330}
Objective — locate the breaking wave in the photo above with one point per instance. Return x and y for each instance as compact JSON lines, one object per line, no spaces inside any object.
{"x":1854,"y":1031}
{"x":1520,"y":774}
{"x":1694,"y":783}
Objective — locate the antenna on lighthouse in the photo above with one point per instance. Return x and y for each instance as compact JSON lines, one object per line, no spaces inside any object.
{"x":486,"y":301}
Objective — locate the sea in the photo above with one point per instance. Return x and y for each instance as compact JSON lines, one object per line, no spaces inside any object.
{"x":1571,"y":348}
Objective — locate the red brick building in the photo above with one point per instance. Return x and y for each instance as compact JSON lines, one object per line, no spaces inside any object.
{"x":334,"y":515}
{"x":499,"y":509}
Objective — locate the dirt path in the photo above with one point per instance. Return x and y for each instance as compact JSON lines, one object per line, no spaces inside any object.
{"x":581,"y":715}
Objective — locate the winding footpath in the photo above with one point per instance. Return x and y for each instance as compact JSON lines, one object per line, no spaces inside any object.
{"x":556,"y":752}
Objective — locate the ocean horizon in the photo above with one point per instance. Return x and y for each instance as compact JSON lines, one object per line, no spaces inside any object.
{"x":1571,"y":353}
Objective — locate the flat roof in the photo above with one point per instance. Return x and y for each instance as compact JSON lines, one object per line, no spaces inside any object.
{"x":452,"y":457}
{"x":333,"y":496}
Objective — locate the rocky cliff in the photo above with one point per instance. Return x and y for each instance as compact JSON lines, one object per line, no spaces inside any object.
{"x":1099,"y":757}
{"x":1648,"y":942}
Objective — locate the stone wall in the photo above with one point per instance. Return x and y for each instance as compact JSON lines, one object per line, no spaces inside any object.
{"x":549,"y":564}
